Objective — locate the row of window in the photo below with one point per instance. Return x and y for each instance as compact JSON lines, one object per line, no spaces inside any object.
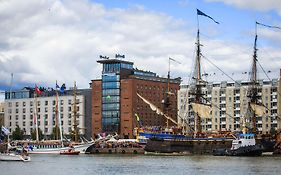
{"x":45,"y":123}
{"x":39,"y":103}
{"x":39,"y":109}
{"x":45,"y":116}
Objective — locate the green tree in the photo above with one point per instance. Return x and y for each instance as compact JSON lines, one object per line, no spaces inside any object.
{"x":56,"y":133}
{"x":18,"y":133}
{"x":33,"y":134}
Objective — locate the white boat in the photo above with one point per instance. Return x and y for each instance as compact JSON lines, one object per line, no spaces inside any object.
{"x":49,"y":148}
{"x":14,"y":157}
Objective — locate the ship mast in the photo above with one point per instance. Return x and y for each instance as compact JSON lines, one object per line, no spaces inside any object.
{"x":253,"y":93}
{"x":75,"y":113}
{"x":167,"y":95}
{"x":198,"y":84}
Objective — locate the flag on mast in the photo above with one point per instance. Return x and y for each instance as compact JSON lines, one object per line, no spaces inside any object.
{"x":37,"y":90}
{"x":203,"y":14}
{"x":268,"y":25}
{"x":5,"y":130}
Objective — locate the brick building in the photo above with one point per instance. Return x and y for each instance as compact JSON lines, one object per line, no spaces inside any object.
{"x":115,"y":101}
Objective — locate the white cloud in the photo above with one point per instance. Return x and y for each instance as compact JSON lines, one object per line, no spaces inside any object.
{"x":265,"y":5}
{"x":51,"y":40}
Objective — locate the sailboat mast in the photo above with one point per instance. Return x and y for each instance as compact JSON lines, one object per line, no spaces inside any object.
{"x":168,"y":91}
{"x":75,"y":113}
{"x":57,"y":115}
{"x":36,"y":118}
{"x":198,"y":127}
{"x":254,"y":90}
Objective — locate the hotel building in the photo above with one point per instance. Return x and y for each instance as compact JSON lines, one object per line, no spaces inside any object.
{"x":115,"y":102}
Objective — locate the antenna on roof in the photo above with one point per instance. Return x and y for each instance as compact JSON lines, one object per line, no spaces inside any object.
{"x":104,"y":57}
{"x":119,"y":56}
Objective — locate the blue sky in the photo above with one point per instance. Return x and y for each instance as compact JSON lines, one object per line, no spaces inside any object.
{"x":42,"y":42}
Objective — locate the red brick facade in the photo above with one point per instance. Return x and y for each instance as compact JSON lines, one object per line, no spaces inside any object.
{"x":131,"y":104}
{"x":96,"y":106}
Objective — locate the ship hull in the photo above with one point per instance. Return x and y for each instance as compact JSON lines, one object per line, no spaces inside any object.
{"x":189,"y":146}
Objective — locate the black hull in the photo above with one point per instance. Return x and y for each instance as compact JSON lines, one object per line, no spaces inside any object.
{"x":192,"y":146}
{"x":255,"y":150}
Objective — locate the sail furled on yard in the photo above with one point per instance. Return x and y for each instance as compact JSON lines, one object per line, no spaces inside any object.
{"x":258,"y":109}
{"x":204,"y":111}
{"x":156,"y":109}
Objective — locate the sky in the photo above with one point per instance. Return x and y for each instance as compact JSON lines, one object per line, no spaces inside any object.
{"x":44,"y":41}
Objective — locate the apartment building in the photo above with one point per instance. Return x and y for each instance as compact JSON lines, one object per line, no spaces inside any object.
{"x":229,"y":103}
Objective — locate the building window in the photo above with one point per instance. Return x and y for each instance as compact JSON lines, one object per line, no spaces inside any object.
{"x":23,"y":117}
{"x":23,"y":123}
{"x":17,"y":110}
{"x":23,"y":110}
{"x":46,"y":109}
{"x":38,"y":109}
{"x":61,"y":109}
{"x":69,"y":102}
{"x":69,"y":108}
{"x":23,"y":103}
{"x":46,"y":103}
{"x":10,"y":104}
{"x":54,"y":102}
{"x":17,"y":117}
{"x":46,"y":123}
{"x":17,"y":104}
{"x":61,"y":102}
{"x":38,"y":103}
{"x":31,"y":103}
{"x":31,"y":110}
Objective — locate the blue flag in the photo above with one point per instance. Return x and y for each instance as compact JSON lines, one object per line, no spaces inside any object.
{"x":203,"y":14}
{"x":62,"y":88}
{"x":5,"y":130}
{"x":57,"y":86}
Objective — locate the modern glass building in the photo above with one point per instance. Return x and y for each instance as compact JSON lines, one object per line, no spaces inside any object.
{"x":112,"y":71}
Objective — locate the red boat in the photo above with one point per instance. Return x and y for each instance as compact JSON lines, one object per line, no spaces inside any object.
{"x":70,"y":152}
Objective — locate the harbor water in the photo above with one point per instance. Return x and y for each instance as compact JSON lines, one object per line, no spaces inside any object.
{"x":141,"y":164}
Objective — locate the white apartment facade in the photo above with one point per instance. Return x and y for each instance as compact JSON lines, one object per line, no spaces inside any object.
{"x":20,"y":111}
{"x":1,"y":113}
{"x":229,"y":104}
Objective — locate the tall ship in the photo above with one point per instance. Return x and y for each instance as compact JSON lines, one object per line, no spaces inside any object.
{"x":197,"y":142}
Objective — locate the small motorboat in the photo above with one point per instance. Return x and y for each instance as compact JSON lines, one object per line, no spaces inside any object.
{"x":14,"y":157}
